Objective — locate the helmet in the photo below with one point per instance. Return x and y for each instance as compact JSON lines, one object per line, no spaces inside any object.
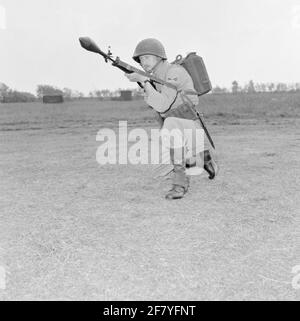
{"x":149,"y":46}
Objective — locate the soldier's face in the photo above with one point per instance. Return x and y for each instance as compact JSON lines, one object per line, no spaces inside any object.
{"x":148,"y":61}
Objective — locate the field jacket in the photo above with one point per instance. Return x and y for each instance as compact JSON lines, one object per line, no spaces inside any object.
{"x":163,"y":98}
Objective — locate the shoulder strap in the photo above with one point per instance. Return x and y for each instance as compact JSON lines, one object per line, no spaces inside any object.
{"x":165,"y":83}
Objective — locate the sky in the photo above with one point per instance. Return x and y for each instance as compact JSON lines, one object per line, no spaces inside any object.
{"x":239,"y":40}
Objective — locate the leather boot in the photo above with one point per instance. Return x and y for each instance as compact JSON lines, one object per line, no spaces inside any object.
{"x":177,"y":192}
{"x":181,"y":184}
{"x":180,"y":180}
{"x":209,"y":164}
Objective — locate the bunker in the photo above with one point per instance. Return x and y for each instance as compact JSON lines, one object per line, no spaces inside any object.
{"x":53,"y":99}
{"x":126,"y":95}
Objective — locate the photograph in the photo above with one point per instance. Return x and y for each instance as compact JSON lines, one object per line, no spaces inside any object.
{"x":149,"y":153}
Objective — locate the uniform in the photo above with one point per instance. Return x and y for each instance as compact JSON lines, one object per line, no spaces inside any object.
{"x":164,"y":99}
{"x":167,"y":101}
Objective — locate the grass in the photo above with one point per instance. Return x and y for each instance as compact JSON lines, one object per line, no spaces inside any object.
{"x":72,"y":229}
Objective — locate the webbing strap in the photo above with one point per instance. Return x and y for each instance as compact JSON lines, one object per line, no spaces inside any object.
{"x":185,"y":98}
{"x":165,"y":83}
{"x":190,"y":92}
{"x":155,"y":66}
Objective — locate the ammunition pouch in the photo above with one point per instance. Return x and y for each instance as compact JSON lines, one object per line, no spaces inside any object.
{"x":184,"y":111}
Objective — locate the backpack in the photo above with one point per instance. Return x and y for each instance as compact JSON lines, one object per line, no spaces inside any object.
{"x":195,"y":67}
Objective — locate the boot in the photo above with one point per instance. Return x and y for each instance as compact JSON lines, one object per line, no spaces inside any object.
{"x":180,"y":181}
{"x":210,"y":165}
{"x":176,"y":192}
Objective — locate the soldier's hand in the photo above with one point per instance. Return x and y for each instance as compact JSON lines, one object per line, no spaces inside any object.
{"x":135,"y":77}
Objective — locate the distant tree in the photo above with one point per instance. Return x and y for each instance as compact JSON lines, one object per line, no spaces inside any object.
{"x":43,"y":90}
{"x":235,"y":87}
{"x":115,"y":93}
{"x":271,"y":87}
{"x":263,"y":87}
{"x":98,"y":94}
{"x":258,"y":87}
{"x":29,"y":96}
{"x":281,"y":87}
{"x":77,"y":94}
{"x":105,"y":93}
{"x":250,"y":87}
{"x":3,"y":91}
{"x":219,"y":90}
{"x":291,"y":87}
{"x":8,"y":95}
{"x":68,"y":93}
{"x":3,"y":88}
{"x":14,"y":96}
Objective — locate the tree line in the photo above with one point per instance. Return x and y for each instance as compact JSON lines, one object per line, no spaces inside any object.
{"x":252,"y":87}
{"x":8,"y":95}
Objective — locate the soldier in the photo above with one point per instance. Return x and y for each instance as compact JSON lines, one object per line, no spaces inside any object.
{"x":170,"y":105}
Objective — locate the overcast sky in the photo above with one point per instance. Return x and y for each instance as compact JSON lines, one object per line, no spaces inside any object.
{"x":239,"y":40}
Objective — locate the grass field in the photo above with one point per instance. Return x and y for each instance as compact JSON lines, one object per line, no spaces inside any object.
{"x":74,"y":230}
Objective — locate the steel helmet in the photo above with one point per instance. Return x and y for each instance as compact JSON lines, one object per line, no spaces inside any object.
{"x":149,"y":46}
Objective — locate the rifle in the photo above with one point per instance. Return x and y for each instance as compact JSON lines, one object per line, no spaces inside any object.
{"x":88,"y":44}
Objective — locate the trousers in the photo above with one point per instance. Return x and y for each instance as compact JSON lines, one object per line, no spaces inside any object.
{"x":181,"y":139}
